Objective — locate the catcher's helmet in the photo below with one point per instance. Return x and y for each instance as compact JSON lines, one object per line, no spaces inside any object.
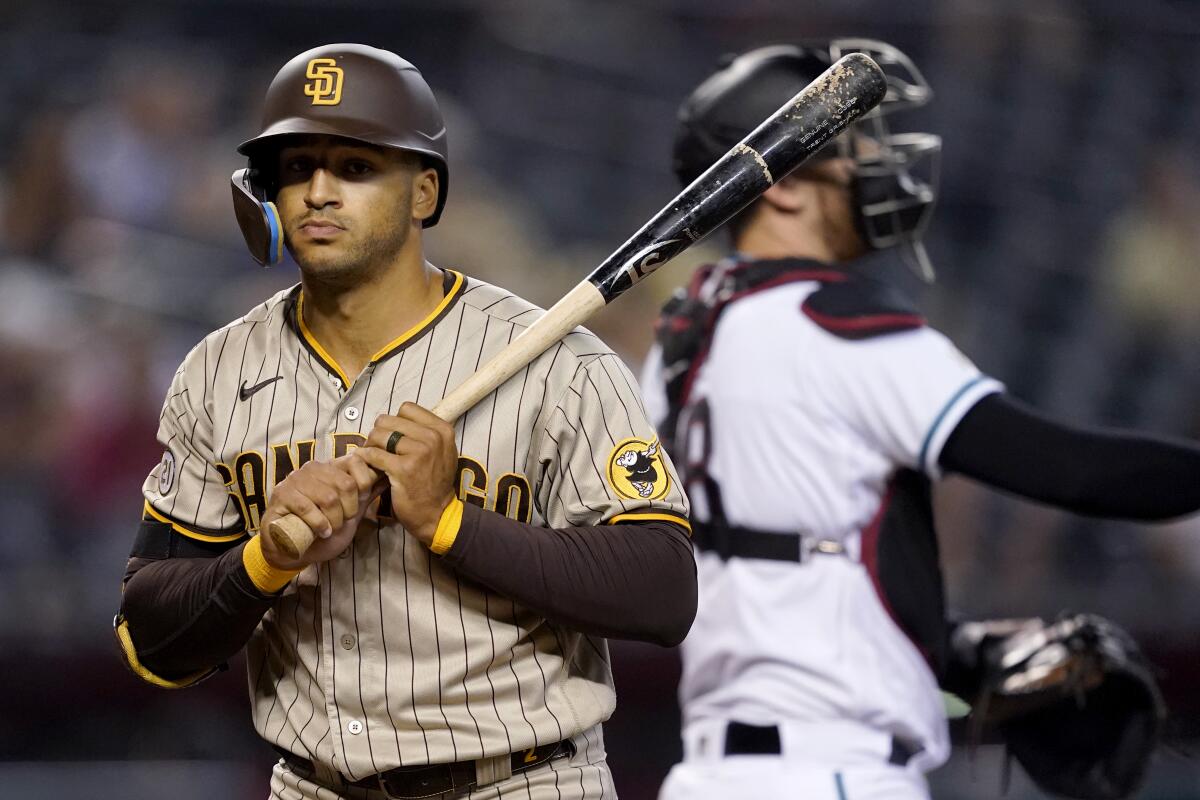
{"x":892,"y":204}
{"x":346,"y":90}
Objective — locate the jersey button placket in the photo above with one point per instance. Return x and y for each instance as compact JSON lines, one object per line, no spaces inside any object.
{"x":326,"y":675}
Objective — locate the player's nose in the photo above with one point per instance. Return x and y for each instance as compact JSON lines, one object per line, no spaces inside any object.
{"x":322,"y":189}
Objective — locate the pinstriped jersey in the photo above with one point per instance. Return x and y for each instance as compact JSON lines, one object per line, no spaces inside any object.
{"x":383,"y":657}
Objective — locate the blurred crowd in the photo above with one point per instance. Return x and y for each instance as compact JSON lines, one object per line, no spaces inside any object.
{"x":1066,"y":243}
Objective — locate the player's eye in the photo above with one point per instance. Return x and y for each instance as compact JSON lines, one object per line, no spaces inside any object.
{"x":297,"y":165}
{"x":358,"y":167}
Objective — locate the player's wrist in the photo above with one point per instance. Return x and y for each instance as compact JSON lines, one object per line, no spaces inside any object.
{"x":440,"y":535}
{"x":263,"y":566}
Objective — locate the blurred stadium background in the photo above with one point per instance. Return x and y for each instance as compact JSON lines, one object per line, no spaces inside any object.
{"x":1066,"y":241}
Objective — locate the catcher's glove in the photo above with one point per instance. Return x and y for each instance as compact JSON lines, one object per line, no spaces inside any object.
{"x":1073,"y":700}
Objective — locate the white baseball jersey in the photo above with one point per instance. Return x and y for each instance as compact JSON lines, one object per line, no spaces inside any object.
{"x":384,"y":657}
{"x":801,"y":430}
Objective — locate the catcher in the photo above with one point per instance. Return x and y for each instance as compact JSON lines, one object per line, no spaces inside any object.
{"x":810,"y":408}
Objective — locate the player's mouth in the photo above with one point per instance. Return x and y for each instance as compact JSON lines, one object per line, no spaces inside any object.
{"x":321,"y":228}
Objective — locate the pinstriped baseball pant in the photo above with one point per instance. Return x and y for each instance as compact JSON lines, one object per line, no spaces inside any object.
{"x":583,"y":776}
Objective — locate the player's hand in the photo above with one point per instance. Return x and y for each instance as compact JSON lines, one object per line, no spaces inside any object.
{"x":422,"y":470}
{"x":331,"y":497}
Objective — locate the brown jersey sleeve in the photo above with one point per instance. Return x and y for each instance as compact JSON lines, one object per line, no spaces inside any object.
{"x":632,"y":580}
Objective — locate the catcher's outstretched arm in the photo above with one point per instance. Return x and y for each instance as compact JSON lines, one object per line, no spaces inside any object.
{"x":1102,"y":473}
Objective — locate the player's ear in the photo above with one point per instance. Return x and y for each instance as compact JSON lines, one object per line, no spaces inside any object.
{"x":425,"y":190}
{"x":788,"y":195}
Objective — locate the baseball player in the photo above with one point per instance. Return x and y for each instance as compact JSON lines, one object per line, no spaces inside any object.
{"x":445,"y":635}
{"x":810,"y":407}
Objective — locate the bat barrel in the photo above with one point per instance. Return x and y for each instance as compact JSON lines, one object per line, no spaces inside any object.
{"x":785,"y":140}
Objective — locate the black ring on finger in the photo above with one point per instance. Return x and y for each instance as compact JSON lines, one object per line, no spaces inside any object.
{"x":392,"y":441}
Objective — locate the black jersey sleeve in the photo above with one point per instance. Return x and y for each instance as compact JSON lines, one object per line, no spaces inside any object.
{"x":1097,"y":472}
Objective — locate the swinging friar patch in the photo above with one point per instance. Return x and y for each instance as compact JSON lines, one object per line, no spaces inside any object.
{"x":636,"y":471}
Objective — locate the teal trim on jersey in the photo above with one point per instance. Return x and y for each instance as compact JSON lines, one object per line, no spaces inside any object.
{"x":937,"y":421}
{"x":841,"y":787}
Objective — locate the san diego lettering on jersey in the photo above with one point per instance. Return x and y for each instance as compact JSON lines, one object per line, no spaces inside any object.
{"x":246,"y":479}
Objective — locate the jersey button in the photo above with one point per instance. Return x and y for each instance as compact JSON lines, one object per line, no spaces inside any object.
{"x":352,"y":413}
{"x":354,"y":726}
{"x":347,"y":641}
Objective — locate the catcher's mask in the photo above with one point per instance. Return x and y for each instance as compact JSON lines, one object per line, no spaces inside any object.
{"x":895,"y":175}
{"x":346,"y":90}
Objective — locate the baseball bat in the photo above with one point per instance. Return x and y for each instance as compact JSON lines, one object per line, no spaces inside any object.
{"x":823,"y":109}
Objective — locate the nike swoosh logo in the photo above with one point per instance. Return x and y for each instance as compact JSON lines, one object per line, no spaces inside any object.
{"x":246,"y":394}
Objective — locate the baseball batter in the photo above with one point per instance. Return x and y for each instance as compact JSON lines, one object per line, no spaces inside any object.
{"x":810,"y":407}
{"x":445,"y":635}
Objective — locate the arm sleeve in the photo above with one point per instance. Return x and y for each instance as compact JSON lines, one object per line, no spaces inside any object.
{"x":183,"y":617}
{"x":624,"y":581}
{"x":1089,"y":471}
{"x":903,"y":393}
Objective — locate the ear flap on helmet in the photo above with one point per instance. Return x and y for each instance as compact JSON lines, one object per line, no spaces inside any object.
{"x":258,"y":219}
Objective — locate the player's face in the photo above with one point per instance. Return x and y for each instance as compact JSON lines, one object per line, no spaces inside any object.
{"x":347,"y":209}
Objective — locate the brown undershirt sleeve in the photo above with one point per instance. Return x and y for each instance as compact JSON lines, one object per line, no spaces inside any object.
{"x":190,"y":614}
{"x":626,"y":581}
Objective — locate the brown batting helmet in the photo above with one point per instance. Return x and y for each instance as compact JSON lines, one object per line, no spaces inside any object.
{"x":347,"y":90}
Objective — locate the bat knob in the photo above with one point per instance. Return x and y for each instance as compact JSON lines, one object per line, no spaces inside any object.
{"x":290,"y":535}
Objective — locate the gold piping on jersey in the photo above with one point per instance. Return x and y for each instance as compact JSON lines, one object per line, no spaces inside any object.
{"x":151,"y":511}
{"x":643,"y":516}
{"x":315,"y":346}
{"x":455,"y":283}
{"x":397,"y":344}
{"x":131,"y":659}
